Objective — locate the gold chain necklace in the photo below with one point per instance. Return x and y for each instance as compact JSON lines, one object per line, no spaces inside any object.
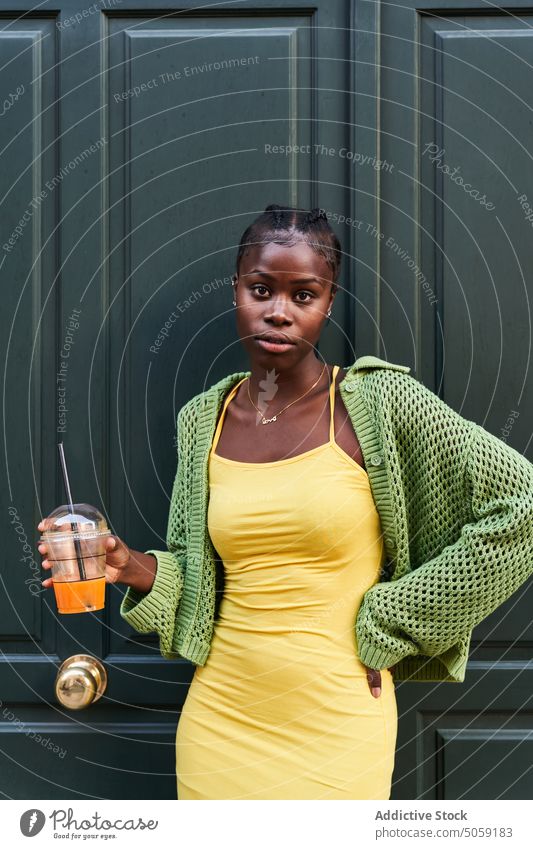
{"x":273,"y":419}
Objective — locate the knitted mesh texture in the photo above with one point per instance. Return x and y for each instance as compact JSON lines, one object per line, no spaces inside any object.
{"x":461,"y":502}
{"x":157,"y":609}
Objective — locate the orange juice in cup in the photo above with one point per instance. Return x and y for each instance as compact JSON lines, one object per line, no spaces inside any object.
{"x":75,"y":538}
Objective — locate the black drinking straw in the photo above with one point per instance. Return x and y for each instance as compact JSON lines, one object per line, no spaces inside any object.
{"x":71,"y":506}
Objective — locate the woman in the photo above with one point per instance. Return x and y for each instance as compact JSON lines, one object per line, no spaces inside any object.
{"x":360,"y":523}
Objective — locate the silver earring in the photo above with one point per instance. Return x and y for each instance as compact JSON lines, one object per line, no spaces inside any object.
{"x":328,"y":312}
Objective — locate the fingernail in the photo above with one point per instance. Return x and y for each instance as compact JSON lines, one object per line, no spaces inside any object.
{"x":376,"y":691}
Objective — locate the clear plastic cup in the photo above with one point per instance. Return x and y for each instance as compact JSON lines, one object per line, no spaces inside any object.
{"x":75,"y":541}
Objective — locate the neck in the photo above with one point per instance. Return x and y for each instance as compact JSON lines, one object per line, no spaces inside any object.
{"x":290,"y":383}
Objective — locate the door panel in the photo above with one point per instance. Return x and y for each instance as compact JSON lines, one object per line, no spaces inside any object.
{"x":455,"y":296}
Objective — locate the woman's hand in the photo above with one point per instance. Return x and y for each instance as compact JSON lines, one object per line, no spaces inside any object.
{"x":117,"y":557}
{"x":374,"y":680}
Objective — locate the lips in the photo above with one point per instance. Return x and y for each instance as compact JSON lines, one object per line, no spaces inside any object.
{"x":276,"y":338}
{"x":274,"y":343}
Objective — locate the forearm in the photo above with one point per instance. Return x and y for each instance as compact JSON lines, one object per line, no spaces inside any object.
{"x":139,"y":573}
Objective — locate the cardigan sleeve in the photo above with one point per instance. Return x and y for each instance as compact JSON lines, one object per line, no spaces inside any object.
{"x":436,"y":606}
{"x":155,"y":610}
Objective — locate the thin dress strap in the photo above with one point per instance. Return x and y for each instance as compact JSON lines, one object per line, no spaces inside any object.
{"x":233,"y":391}
{"x":332,"y":404}
{"x":223,"y":413}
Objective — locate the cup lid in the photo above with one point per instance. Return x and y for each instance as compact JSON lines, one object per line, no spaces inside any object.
{"x":85,"y":520}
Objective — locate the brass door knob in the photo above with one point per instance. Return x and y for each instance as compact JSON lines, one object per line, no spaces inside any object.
{"x":81,"y":680}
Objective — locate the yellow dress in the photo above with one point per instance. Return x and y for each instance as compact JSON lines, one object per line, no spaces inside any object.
{"x":282,"y":708}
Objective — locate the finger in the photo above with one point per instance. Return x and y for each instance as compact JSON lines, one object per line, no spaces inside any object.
{"x":110,"y":543}
{"x":372,"y":676}
{"x":374,"y":680}
{"x":42,"y":549}
{"x":47,"y":582}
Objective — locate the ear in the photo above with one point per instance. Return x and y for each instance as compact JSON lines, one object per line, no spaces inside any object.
{"x":334,"y":288}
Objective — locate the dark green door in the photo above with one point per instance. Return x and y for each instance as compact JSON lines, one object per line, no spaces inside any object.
{"x":454,"y":295}
{"x":137,"y":145}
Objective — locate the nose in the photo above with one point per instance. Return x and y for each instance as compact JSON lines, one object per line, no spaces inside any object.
{"x":278,"y":311}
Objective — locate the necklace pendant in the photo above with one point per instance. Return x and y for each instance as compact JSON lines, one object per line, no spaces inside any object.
{"x":267,"y":421}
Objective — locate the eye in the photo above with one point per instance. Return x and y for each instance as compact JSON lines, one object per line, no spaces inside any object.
{"x":257,"y":286}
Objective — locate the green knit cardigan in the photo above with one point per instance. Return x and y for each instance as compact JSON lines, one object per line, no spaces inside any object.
{"x":456,"y":511}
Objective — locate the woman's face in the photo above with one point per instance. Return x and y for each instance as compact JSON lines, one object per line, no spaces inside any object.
{"x":285,"y":292}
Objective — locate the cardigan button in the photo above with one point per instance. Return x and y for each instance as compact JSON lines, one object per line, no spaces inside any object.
{"x":349,"y":387}
{"x":376,"y":459}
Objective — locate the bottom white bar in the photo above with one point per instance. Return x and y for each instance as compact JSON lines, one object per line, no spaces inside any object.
{"x":267,"y":824}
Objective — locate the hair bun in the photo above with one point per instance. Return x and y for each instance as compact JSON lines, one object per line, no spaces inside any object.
{"x":316,"y":214}
{"x":277,"y":214}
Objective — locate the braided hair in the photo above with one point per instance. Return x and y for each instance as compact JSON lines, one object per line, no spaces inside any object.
{"x":287,"y":225}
